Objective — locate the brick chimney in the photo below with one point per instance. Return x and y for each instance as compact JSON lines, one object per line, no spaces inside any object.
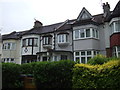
{"x":37,"y":24}
{"x":106,"y":9}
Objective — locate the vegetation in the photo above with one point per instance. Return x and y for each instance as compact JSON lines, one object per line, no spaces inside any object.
{"x":11,"y":76}
{"x":97,"y":76}
{"x":100,"y":72}
{"x":54,"y":74}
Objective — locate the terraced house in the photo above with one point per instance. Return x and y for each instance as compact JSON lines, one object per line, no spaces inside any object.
{"x":78,"y":39}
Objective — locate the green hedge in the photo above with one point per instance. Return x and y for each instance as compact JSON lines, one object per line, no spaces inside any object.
{"x":11,"y":75}
{"x":28,"y":68}
{"x":54,"y":74}
{"x":97,"y":76}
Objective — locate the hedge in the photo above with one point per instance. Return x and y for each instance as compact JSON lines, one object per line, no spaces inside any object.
{"x":97,"y":76}
{"x":11,"y":75}
{"x":54,"y":74}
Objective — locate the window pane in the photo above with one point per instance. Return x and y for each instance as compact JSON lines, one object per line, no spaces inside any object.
{"x":63,"y":57}
{"x":96,"y":34}
{"x":87,"y":32}
{"x":24,"y":42}
{"x":49,"y":40}
{"x":83,"y":53}
{"x":118,"y":48}
{"x":93,"y":32}
{"x":77,"y":53}
{"x":94,"y":52}
{"x":35,"y":41}
{"x":77,"y":59}
{"x":59,"y":38}
{"x":82,"y":59}
{"x":30,"y":42}
{"x":63,"y":38}
{"x":82,"y":33}
{"x":8,"y":45}
{"x":76,"y":34}
{"x":88,"y":58}
{"x":88,"y":52}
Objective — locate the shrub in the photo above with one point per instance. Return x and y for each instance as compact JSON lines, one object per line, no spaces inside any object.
{"x":11,"y":75}
{"x":54,"y":74}
{"x":97,"y":76}
{"x":27,"y":68}
{"x":98,"y":59}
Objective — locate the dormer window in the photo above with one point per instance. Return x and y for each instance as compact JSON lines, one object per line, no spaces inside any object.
{"x":62,"y":38}
{"x":47,"y":40}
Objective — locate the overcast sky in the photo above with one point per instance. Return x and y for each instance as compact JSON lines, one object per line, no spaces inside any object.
{"x":18,"y":15}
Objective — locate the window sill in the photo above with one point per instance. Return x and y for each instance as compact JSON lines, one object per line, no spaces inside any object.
{"x":47,"y":46}
{"x":63,"y":44}
{"x":86,"y":38}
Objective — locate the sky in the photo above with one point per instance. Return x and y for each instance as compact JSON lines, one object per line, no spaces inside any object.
{"x":19,"y":15}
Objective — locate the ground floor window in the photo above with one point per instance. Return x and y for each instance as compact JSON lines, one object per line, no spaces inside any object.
{"x":8,"y":60}
{"x":116,"y":51}
{"x":44,"y":58}
{"x":84,"y":56}
{"x":63,"y":57}
{"x":28,"y":61}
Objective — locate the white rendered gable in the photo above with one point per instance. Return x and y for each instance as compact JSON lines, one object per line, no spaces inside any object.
{"x":84,"y":14}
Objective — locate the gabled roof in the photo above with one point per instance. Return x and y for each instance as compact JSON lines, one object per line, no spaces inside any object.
{"x":115,"y":13}
{"x":96,"y":20}
{"x":84,"y":14}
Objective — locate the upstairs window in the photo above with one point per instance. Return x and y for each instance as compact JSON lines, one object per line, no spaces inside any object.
{"x":9,"y":46}
{"x":115,"y":26}
{"x":47,"y":40}
{"x":30,"y":42}
{"x":62,"y":38}
{"x":86,"y":33}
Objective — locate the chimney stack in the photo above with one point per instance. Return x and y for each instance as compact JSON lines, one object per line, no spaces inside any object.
{"x":106,"y":9}
{"x":37,"y":24}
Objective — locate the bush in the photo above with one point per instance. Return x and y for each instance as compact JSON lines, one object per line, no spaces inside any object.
{"x":28,"y":68}
{"x":11,"y":75}
{"x":97,"y":76}
{"x":98,"y":59}
{"x":54,"y":74}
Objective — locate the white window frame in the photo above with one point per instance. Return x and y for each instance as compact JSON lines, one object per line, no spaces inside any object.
{"x":11,"y":45}
{"x":85,"y":56}
{"x":116,"y":51}
{"x":46,"y":40}
{"x":62,"y":38}
{"x":92,"y":30}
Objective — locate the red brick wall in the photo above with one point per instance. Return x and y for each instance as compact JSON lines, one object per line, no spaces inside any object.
{"x":115,"y":39}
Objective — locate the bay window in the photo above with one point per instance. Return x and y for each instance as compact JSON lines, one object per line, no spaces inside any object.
{"x":47,"y":40}
{"x":86,"y":33}
{"x":30,"y":42}
{"x":84,"y":56}
{"x":62,"y":38}
{"x":115,"y":26}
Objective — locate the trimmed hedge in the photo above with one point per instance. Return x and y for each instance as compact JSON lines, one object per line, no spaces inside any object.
{"x":11,"y":75}
{"x":97,"y":76}
{"x":54,"y":74}
{"x":28,"y":68}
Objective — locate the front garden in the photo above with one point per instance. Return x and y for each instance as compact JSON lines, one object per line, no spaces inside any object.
{"x":100,"y":72}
